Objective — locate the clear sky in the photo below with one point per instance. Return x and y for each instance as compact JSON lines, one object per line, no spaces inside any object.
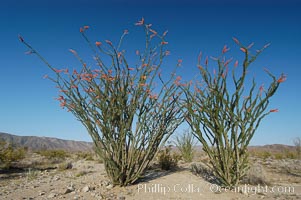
{"x":27,"y":104}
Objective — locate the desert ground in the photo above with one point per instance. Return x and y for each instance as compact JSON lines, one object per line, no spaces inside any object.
{"x":81,"y":178}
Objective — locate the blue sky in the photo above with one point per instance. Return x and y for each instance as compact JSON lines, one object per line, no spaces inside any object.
{"x":27,"y":104}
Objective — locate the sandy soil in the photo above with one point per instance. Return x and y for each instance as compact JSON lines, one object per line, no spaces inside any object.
{"x":88,"y":180}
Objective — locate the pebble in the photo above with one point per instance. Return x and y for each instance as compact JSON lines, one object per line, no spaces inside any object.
{"x":86,"y":189}
{"x":261,"y":193}
{"x":105,"y":183}
{"x":129,"y":191}
{"x":109,"y":186}
{"x":71,"y":188}
{"x":68,"y":190}
{"x":51,"y":195}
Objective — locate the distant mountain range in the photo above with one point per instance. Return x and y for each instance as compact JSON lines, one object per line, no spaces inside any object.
{"x":42,"y":143}
{"x":275,"y":148}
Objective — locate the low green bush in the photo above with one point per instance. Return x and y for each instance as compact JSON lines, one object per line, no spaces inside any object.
{"x":53,"y":154}
{"x":9,"y":154}
{"x":166,"y":159}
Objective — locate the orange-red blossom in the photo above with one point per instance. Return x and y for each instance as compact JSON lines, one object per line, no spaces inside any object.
{"x":243,"y":49}
{"x":62,"y":100}
{"x":281,"y":79}
{"x":236,"y":63}
{"x":178,"y":79}
{"x":236,"y":40}
{"x":83,"y":29}
{"x":261,"y":89}
{"x":140,"y":23}
{"x":225,"y":49}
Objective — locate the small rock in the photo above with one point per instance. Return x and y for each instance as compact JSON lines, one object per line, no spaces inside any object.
{"x":86,"y":189}
{"x":56,"y":178}
{"x":261,"y":193}
{"x":105,"y":183}
{"x":110,"y":186}
{"x":68,"y":190}
{"x":71,"y":187}
{"x":51,"y":195}
{"x":41,"y":193}
{"x":129,"y":191}
{"x":76,"y":197}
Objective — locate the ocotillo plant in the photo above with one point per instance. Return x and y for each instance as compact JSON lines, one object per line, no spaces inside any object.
{"x":185,"y":144}
{"x":129,"y":111}
{"x":224,"y":113}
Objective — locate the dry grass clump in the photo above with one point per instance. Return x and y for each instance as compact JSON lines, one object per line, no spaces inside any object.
{"x":31,"y":174}
{"x":84,"y":155}
{"x":81,"y":173}
{"x":64,"y":166}
{"x":256,"y":175}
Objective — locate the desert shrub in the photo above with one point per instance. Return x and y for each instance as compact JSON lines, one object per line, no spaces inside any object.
{"x":224,"y":110}
{"x":203,"y":170}
{"x":166,"y":159}
{"x":31,"y":174}
{"x":290,"y":154}
{"x":64,"y":166}
{"x":81,"y":173}
{"x":85,"y":156}
{"x":53,"y":154}
{"x":256,"y":175}
{"x":10,"y":154}
{"x":185,"y":145}
{"x":265,"y":155}
{"x":278,"y":156}
{"x":128,"y":109}
{"x":297,"y":143}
